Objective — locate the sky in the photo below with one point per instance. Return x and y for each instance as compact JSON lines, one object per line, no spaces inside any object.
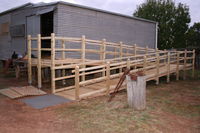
{"x":126,"y":7}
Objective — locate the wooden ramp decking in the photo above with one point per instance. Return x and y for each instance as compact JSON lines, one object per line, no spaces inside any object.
{"x":99,"y":88}
{"x":18,"y":92}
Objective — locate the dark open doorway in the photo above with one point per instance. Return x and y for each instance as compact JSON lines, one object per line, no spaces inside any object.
{"x":46,"y":28}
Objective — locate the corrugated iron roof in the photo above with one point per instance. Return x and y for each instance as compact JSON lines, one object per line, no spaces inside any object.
{"x":16,"y":8}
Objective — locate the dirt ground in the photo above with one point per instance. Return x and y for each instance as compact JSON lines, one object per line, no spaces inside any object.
{"x":171,"y":108}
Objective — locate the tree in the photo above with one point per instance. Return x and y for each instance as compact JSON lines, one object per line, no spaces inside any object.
{"x":193,"y":36}
{"x":173,"y":21}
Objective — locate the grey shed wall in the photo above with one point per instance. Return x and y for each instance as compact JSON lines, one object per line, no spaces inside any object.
{"x":75,"y":21}
{"x":20,"y":17}
{"x":5,"y":39}
{"x":10,"y":44}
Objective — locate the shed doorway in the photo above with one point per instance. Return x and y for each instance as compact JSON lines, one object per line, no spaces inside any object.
{"x":46,"y":28}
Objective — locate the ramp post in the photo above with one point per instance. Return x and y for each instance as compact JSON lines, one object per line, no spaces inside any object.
{"x":29,"y":61}
{"x":135,"y":53}
{"x":107,"y":77}
{"x":145,"y":64}
{"x":63,"y":58}
{"x":168,"y":67}
{"x":177,"y":65}
{"x":103,"y":53}
{"x":77,"y":93}
{"x":39,"y":61}
{"x":121,"y":55}
{"x":184,"y":67}
{"x":157,"y":66}
{"x":53,"y":62}
{"x":193,"y":63}
{"x":83,"y":45}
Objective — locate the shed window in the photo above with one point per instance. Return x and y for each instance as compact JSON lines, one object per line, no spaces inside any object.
{"x":17,"y":30}
{"x":4,"y":28}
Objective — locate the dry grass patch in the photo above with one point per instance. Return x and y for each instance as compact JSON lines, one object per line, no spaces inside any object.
{"x":166,"y":111}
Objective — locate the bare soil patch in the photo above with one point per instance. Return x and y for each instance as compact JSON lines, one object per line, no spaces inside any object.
{"x":16,"y":117}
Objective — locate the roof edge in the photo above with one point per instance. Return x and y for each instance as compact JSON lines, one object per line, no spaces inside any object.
{"x":15,"y":8}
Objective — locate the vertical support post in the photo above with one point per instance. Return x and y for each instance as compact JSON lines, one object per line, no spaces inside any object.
{"x":63,"y":57}
{"x":103,"y":53}
{"x":184,"y":67}
{"x":121,"y":55}
{"x":29,"y":61}
{"x":77,"y":87}
{"x":145,"y":59}
{"x":193,"y":63}
{"x":39,"y":61}
{"x":165,"y":56}
{"x":157,"y":67}
{"x":168,"y":67}
{"x":145,"y":64}
{"x":83,"y":56}
{"x":104,"y":49}
{"x":135,"y":53}
{"x":128,"y":63}
{"x":157,"y":50}
{"x":83,"y":48}
{"x":53,"y":62}
{"x":115,"y":55}
{"x":17,"y":71}
{"x":146,"y":50}
{"x":63,"y":49}
{"x":135,"y":49}
{"x":121,"y":50}
{"x":108,"y":77}
{"x":177,"y":65}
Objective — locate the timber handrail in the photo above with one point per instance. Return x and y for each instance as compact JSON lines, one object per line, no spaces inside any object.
{"x":125,"y":56}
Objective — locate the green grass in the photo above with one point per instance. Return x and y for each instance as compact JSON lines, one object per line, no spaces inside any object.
{"x":189,"y":75}
{"x":101,"y":116}
{"x":167,"y":99}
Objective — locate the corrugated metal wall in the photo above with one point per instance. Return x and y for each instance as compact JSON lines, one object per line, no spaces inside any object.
{"x":19,"y":18}
{"x":5,"y":40}
{"x":33,"y":28}
{"x":10,"y":44}
{"x":74,"y":21}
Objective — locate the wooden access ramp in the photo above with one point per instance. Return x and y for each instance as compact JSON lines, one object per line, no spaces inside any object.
{"x":100,"y":88}
{"x":18,"y":92}
{"x":82,"y":77}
